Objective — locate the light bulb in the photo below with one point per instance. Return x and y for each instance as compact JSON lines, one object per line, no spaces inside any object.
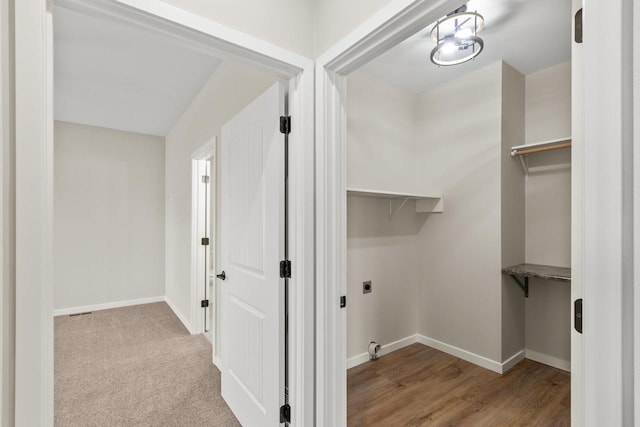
{"x":448,"y":48}
{"x":464,"y":33}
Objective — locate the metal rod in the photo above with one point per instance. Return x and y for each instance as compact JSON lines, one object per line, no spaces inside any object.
{"x":522,"y":152}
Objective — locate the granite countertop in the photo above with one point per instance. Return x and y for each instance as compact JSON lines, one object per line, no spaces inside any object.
{"x":547,"y":272}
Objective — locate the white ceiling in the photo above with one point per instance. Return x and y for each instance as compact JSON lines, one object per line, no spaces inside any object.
{"x":119,"y":76}
{"x":528,"y":34}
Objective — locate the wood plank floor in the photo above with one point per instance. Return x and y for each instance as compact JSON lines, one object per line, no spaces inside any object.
{"x":420,"y":386}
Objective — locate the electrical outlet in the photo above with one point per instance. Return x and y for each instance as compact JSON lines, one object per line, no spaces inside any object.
{"x":366,"y":287}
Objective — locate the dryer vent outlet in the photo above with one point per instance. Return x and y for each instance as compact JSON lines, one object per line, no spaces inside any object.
{"x":374,"y":348}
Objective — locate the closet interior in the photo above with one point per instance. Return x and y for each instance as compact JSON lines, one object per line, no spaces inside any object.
{"x":459,"y":222}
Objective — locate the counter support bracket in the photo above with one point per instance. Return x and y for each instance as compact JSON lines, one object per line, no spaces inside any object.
{"x":524,"y":286}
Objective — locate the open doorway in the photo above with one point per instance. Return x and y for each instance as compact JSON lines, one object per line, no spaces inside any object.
{"x":138,"y":117}
{"x":203,"y":239}
{"x":458,"y":179}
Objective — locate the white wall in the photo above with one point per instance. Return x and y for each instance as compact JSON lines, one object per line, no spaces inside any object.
{"x":440,"y":271}
{"x":288,"y":23}
{"x":334,"y":19}
{"x":7,"y":217}
{"x":108,"y":216}
{"x":548,"y":212}
{"x":381,"y":152}
{"x":229,"y":89}
{"x":459,"y":155}
{"x":513,"y":209}
{"x":493,"y":217}
{"x":381,"y":146}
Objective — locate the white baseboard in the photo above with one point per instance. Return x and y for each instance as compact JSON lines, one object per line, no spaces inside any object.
{"x":548,"y":360}
{"x":105,"y":306}
{"x":476,"y":359}
{"x":513,"y":361}
{"x":385,"y":349}
{"x":178,"y":314}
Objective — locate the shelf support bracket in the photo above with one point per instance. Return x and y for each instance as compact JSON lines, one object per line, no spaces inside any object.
{"x":392,"y":213}
{"x":525,"y":165}
{"x":524,"y":286}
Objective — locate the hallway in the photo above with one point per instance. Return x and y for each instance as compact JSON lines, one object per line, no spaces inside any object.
{"x":135,"y":366}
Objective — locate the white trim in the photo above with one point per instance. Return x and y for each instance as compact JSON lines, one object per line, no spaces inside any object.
{"x":178,"y":314}
{"x":608,"y":223}
{"x":391,"y":25}
{"x":385,"y":349}
{"x":474,"y":358}
{"x":34,"y":124}
{"x":636,"y":208}
{"x":222,"y":41}
{"x":545,"y":359}
{"x":34,"y":213}
{"x":513,"y":360}
{"x":577,"y":220}
{"x":106,"y":306}
{"x":468,"y":356}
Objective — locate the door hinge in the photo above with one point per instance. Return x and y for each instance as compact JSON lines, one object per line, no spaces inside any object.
{"x":205,"y":179}
{"x":204,"y":303}
{"x":577,"y":315}
{"x":577,"y":33}
{"x":204,"y":241}
{"x":285,"y":124}
{"x":285,"y":413}
{"x":285,"y":269}
{"x":343,"y":301}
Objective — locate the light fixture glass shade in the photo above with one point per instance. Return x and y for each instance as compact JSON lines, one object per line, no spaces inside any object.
{"x":457,"y":38}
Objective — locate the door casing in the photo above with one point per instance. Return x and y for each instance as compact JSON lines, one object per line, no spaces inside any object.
{"x":34,"y":167}
{"x":606,"y":179}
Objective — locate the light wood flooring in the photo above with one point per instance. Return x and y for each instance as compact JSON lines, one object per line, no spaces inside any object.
{"x":420,"y":386}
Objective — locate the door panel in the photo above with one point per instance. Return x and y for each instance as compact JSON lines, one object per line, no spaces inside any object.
{"x":252,"y":230}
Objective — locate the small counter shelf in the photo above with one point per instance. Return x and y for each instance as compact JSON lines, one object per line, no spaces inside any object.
{"x":424,"y":203}
{"x":537,"y":271}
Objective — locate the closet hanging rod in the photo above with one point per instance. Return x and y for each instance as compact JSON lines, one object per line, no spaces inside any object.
{"x":539,"y":148}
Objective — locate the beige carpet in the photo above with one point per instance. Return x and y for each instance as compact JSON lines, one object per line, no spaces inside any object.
{"x":135,"y":366}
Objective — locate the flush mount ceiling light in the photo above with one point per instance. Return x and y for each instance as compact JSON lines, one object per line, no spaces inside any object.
{"x":457,"y":38}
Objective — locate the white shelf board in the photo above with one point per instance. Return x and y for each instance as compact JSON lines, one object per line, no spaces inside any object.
{"x":424,"y":202}
{"x":389,"y":194}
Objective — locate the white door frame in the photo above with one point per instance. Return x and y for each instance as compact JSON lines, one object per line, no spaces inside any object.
{"x":196,"y":312}
{"x":608,"y":270}
{"x":34,"y":166}
{"x":606,"y":194}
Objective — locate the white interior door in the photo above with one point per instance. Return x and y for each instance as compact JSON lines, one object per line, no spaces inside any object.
{"x":252,"y":233}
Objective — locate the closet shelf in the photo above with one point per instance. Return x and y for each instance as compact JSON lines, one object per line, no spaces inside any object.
{"x":537,"y":271}
{"x":523,"y":151}
{"x":424,"y":202}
